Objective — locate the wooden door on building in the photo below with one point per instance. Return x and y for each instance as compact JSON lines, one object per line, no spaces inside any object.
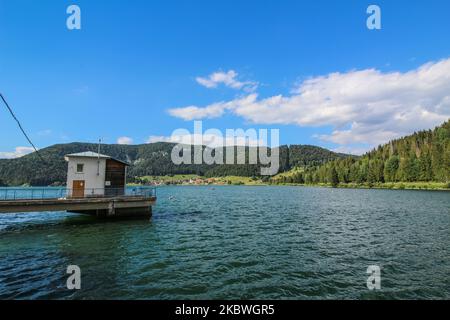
{"x":78,"y":189}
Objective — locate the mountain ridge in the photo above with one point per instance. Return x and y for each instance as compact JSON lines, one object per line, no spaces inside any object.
{"x":146,"y":160}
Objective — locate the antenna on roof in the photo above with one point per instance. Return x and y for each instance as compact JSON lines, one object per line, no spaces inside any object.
{"x":98,"y":155}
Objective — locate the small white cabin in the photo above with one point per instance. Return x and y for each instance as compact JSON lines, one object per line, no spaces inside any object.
{"x":90,"y":174}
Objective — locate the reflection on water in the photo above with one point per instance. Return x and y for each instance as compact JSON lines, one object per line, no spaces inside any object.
{"x":237,"y":242}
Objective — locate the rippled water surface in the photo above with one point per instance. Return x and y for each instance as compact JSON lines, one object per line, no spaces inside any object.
{"x":238,"y":243}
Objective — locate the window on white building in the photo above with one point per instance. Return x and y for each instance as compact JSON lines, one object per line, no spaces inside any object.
{"x":80,"y":168}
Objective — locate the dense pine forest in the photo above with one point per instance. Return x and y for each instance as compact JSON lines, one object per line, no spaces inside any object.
{"x":422,"y":156}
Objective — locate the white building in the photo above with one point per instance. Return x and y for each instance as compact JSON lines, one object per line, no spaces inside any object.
{"x":91,"y":174}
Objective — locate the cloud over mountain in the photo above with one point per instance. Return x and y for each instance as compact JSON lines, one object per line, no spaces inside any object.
{"x":365,"y":107}
{"x":17,"y":153}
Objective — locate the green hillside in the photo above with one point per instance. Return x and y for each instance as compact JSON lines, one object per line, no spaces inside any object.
{"x":146,"y":160}
{"x":421,"y":157}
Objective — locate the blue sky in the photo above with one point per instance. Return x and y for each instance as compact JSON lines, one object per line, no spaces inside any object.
{"x":309,"y":68}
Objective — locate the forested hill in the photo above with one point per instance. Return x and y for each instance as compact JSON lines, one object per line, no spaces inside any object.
{"x":146,"y":159}
{"x":422,"y":156}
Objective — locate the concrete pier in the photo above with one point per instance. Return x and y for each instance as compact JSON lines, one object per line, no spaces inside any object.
{"x":115,"y":207}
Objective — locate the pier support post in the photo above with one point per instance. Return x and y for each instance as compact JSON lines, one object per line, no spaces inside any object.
{"x":111,"y":209}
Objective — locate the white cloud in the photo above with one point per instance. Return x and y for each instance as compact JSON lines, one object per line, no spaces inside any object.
{"x":228,"y":79}
{"x":214,"y":110}
{"x":356,"y":150}
{"x":211,"y":140}
{"x":364,"y":107}
{"x":124,"y":140}
{"x":19,"y":152}
{"x":192,"y":112}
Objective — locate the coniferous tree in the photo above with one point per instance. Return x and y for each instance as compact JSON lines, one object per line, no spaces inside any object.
{"x":425,"y":169}
{"x":334,"y":179}
{"x":390,"y":169}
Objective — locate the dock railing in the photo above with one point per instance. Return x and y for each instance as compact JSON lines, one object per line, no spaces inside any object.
{"x":40,"y":193}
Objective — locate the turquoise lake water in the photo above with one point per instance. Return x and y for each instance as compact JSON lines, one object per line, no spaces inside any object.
{"x":238,"y":242}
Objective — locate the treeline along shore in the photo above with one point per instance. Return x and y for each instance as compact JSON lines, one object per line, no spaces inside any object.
{"x":417,"y":161}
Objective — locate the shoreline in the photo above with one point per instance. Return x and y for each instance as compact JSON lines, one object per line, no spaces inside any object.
{"x":423,"y":186}
{"x":420,"y":186}
{"x":356,"y":186}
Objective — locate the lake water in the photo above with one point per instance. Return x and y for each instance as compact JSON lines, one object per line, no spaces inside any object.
{"x":238,"y":242}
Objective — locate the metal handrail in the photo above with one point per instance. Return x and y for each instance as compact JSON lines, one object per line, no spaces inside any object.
{"x":37,"y":193}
